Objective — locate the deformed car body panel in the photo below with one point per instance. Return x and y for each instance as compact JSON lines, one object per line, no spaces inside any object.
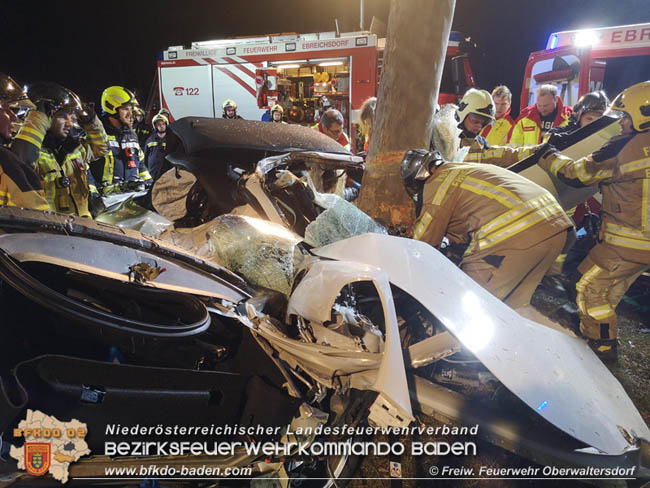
{"x":111,"y":261}
{"x":554,"y":374}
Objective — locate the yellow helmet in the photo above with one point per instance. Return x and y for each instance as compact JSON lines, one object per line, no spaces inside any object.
{"x":277,"y":108}
{"x":635,"y":102}
{"x":116,"y":96}
{"x":229,"y":103}
{"x":478,"y":102}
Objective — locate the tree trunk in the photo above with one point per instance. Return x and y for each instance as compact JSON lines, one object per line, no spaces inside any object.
{"x":416,"y":46}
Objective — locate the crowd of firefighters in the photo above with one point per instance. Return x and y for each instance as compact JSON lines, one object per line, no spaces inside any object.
{"x":65,"y":157}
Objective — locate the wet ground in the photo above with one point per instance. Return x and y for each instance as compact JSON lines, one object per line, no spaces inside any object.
{"x":632,"y":370}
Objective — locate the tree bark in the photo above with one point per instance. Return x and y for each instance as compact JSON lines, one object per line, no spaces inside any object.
{"x":416,"y":46}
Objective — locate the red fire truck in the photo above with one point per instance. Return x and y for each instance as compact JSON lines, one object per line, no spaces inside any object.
{"x":301,"y":72}
{"x":580,"y":61}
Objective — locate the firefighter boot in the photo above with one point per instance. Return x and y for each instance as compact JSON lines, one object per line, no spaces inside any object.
{"x":605,"y":349}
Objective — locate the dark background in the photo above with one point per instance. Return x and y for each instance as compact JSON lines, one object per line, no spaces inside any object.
{"x":87,"y":46}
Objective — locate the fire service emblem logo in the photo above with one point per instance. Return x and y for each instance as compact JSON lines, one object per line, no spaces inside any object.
{"x":37,"y":458}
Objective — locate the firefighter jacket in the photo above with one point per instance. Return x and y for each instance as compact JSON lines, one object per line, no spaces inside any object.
{"x":19,"y":185}
{"x":496,"y":134}
{"x":124,"y":161}
{"x":527,"y":129}
{"x":343,"y":139}
{"x":143,"y":131}
{"x":622,"y":170}
{"x":486,"y":207}
{"x":154,"y":155}
{"x":482,"y":152}
{"x":63,"y":165}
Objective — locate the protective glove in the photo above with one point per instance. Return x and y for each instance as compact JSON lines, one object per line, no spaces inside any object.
{"x":95,"y":205}
{"x":136,"y":185}
{"x":148,"y":183}
{"x":86,"y":114}
{"x":543,"y":152}
{"x":45,"y":107}
{"x":558,"y":139}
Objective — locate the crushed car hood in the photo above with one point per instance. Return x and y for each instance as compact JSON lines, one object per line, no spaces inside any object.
{"x":556,"y":375}
{"x":202,"y":136}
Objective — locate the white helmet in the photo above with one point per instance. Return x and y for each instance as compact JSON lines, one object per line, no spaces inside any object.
{"x":478,"y":102}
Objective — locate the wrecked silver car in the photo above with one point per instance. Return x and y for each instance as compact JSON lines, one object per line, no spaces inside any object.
{"x":290,"y":308}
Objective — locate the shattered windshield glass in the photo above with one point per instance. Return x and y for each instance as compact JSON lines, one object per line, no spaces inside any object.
{"x":340,"y":220}
{"x":128,"y":214}
{"x":264,"y":253}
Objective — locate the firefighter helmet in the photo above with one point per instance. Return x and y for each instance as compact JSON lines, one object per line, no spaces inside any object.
{"x":158,"y":117}
{"x":478,"y":102}
{"x":415,"y":169}
{"x":595,"y":101}
{"x":228,"y":103}
{"x":55,"y":96}
{"x":635,"y":102}
{"x":277,"y":108}
{"x":165,"y":112}
{"x":12,"y":94}
{"x":116,"y":96}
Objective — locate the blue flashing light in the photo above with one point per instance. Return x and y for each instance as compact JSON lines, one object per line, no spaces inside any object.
{"x":542,"y":406}
{"x":456,"y":36}
{"x":553,"y":41}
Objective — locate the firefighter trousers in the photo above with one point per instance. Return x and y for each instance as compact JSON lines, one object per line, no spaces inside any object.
{"x":510,"y":271}
{"x":607,"y":272}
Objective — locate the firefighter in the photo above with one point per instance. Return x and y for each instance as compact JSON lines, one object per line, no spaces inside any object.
{"x":513,"y":228}
{"x":19,"y":184}
{"x":496,"y":134}
{"x":155,"y":148}
{"x":276,"y":113}
{"x":140,"y":126}
{"x":589,"y":108}
{"x":536,"y":120}
{"x":122,"y":169}
{"x":230,"y":109}
{"x":475,"y":112}
{"x":622,"y":169}
{"x":60,"y":158}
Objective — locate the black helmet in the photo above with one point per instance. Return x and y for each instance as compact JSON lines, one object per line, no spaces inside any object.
{"x":595,"y":101}
{"x":53,"y":95}
{"x":11,"y":94}
{"x":415,"y":169}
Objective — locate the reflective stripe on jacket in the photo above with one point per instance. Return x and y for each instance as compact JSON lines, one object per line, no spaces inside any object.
{"x":481,"y":152}
{"x":485,"y":206}
{"x":19,"y":185}
{"x":124,"y":160}
{"x":64,"y":196}
{"x":622,"y":170}
{"x":527,"y":129}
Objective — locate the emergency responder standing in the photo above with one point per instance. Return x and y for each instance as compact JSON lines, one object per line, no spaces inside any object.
{"x":60,"y":158}
{"x":140,"y":126}
{"x":590,"y":107}
{"x":276,"y":114}
{"x":476,"y":111}
{"x":367,"y":119}
{"x":622,"y":169}
{"x":331,"y":124}
{"x":155,"y":148}
{"x":536,"y":120}
{"x":19,"y":184}
{"x":496,"y":134}
{"x":230,"y":109}
{"x":513,"y":228}
{"x":123,"y":167}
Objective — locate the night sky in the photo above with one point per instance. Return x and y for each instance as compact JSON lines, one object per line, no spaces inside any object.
{"x":87,"y":46}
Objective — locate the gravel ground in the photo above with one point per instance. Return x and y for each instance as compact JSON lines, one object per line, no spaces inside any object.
{"x":632,"y":370}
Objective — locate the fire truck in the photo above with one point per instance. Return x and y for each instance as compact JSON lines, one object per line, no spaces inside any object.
{"x":304,"y":73}
{"x":580,"y":61}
